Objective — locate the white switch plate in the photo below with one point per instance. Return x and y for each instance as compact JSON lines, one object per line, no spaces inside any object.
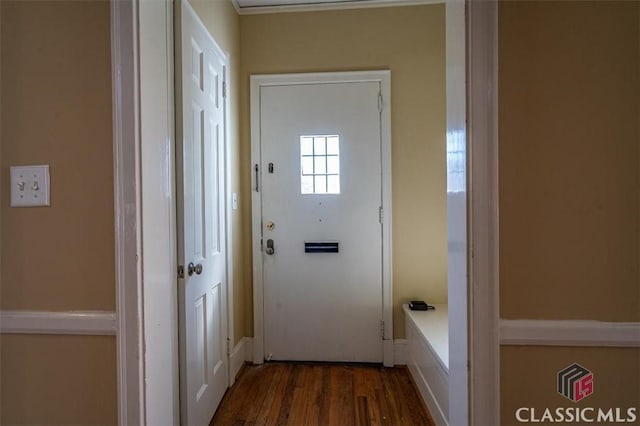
{"x":29,"y":186}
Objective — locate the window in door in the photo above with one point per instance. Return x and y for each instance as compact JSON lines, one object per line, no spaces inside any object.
{"x":320,"y":164}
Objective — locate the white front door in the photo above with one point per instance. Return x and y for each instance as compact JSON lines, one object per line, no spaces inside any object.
{"x":200,"y":141}
{"x":320,"y":180}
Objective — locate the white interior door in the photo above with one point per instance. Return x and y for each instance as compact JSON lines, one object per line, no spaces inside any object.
{"x":200,"y":126}
{"x":321,"y":198}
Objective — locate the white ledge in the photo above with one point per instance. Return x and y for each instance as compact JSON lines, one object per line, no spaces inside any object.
{"x":569,"y":333}
{"x":69,"y":322}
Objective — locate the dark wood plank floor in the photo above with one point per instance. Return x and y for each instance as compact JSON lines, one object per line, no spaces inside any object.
{"x":322,"y":394}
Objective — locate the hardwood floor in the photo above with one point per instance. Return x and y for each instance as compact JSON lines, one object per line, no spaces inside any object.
{"x":322,"y":394}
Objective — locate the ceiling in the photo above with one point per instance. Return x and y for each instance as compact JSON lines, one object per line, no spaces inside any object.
{"x":272,"y":6}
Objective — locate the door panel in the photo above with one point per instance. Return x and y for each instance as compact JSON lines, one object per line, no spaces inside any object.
{"x":322,"y":306}
{"x":200,"y":118}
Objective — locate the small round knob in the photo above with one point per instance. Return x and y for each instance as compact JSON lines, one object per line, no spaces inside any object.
{"x":191,"y":268}
{"x":199,"y":268}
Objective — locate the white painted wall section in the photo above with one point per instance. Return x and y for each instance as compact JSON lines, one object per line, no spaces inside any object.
{"x":457,"y":211}
{"x":158,"y":207}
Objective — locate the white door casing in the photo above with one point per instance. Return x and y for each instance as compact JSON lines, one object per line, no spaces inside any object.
{"x":200,"y":151}
{"x":322,"y":306}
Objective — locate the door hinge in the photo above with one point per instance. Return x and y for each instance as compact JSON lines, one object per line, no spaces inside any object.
{"x":380,"y":103}
{"x":257,"y":171}
{"x":382,"y":329}
{"x":381,"y":214}
{"x":224,"y":89}
{"x":180,"y":271}
{"x":228,"y":347}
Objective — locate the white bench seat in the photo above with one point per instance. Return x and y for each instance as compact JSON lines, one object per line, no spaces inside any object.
{"x":428,"y":357}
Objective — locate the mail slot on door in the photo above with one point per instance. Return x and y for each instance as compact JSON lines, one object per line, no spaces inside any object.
{"x":321,"y":247}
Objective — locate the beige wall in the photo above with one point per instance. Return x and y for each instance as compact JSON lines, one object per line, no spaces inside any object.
{"x":223,"y":23}
{"x":56,"y":110}
{"x":569,"y":84}
{"x":61,"y":380}
{"x":569,"y":173}
{"x":410,"y":42}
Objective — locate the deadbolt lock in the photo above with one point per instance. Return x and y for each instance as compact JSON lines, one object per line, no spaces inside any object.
{"x":271,"y":226}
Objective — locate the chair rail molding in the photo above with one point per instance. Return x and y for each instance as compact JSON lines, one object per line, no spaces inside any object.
{"x":569,"y":333}
{"x":88,"y":323}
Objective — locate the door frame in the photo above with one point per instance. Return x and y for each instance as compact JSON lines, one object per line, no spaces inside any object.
{"x":483,"y":306}
{"x":481,"y":77}
{"x":382,"y":77}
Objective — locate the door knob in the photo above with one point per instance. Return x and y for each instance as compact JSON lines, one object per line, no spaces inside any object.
{"x":191,"y":268}
{"x":270,"y":250}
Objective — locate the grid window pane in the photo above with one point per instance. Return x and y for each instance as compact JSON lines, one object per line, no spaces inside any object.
{"x":320,"y":164}
{"x":306,"y":146}
{"x":333,"y":145}
{"x":333,"y":165}
{"x":333,"y":184}
{"x":307,"y":165}
{"x":307,"y":184}
{"x":320,"y":184}
{"x":319,"y":146}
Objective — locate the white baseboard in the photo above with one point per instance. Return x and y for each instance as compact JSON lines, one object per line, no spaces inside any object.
{"x":400,"y":351}
{"x":569,"y":333}
{"x":72,"y":322}
{"x":242,"y":352}
{"x":248,"y":349}
{"x":428,"y":396}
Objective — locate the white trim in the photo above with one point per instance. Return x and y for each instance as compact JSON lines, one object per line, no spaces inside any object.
{"x":400,"y":351}
{"x":236,"y":6}
{"x":236,"y":360}
{"x":89,"y":323}
{"x":158,"y":210}
{"x":248,"y":349}
{"x":387,"y":236}
{"x":318,"y":7}
{"x":570,"y":333}
{"x":242,"y":353}
{"x":457,"y":217}
{"x":229,"y":209}
{"x":384,"y":78}
{"x":126,"y":146}
{"x":483,"y":306}
{"x":428,"y":396}
{"x":256,"y":226}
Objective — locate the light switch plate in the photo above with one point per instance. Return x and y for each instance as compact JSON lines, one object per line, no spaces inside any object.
{"x":29,"y":186}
